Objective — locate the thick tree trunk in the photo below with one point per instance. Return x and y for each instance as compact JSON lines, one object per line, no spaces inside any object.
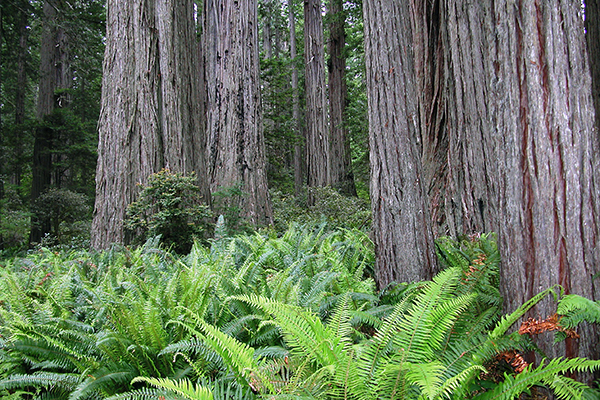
{"x":340,"y":161}
{"x":235,"y":145}
{"x":523,"y":157}
{"x":55,"y":75}
{"x":151,"y":107}
{"x":317,"y":131}
{"x":592,"y":27}
{"x":401,"y":221}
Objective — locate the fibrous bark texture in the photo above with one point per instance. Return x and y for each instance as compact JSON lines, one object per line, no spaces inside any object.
{"x":505,"y":119}
{"x":401,"y":221}
{"x":523,"y":157}
{"x":318,"y":171}
{"x":235,"y":144}
{"x":151,"y":107}
{"x":299,"y":159}
{"x":342,"y":177}
{"x":592,"y":27}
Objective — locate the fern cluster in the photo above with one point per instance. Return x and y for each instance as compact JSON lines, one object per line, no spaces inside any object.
{"x":295,"y":316}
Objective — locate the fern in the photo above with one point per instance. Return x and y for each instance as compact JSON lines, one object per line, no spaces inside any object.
{"x":577,"y":309}
{"x":42,"y":379}
{"x":183,"y":388}
{"x":548,"y":374}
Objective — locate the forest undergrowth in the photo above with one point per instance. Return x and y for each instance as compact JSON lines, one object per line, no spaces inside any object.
{"x":267,"y":316}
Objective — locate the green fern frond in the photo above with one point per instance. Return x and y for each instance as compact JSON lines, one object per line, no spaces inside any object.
{"x":235,"y":354}
{"x":303,"y":331}
{"x":577,"y":309}
{"x":508,"y":320}
{"x":182,"y":387}
{"x":106,"y":380}
{"x":42,"y":379}
{"x":513,"y":386}
{"x":144,"y":394}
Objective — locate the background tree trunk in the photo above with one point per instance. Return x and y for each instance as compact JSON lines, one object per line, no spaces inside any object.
{"x":151,"y":107}
{"x":340,"y":160}
{"x":235,"y":144}
{"x":318,"y":169}
{"x":299,"y":144}
{"x":523,"y":154}
{"x":401,"y":222}
{"x":55,"y":76}
{"x":20,"y":90}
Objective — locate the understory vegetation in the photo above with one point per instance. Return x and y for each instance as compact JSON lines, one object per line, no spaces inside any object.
{"x":273,"y":316}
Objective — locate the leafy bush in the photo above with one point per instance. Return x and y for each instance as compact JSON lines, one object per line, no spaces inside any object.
{"x":66,"y":210}
{"x":326,"y":205}
{"x":170,"y":205}
{"x":14,"y":221}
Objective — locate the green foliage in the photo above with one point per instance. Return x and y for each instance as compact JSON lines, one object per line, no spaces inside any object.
{"x":63,"y":208}
{"x":227,"y":201}
{"x":169,"y":205}
{"x":14,"y":221}
{"x":294,"y":316}
{"x":328,"y":205}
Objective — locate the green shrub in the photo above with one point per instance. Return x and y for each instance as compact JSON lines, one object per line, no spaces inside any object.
{"x":170,"y":206}
{"x":227,"y":202}
{"x":326,"y":205}
{"x":14,"y":221}
{"x":66,"y":210}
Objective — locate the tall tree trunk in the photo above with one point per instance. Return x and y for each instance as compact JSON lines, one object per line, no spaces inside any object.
{"x":299,"y":157}
{"x":235,"y":145}
{"x":151,"y":107}
{"x":20,"y":91}
{"x":340,"y":160}
{"x":2,"y":158}
{"x":524,"y":157}
{"x":317,"y":132}
{"x":592,"y":27}
{"x":401,"y":222}
{"x":55,"y":76}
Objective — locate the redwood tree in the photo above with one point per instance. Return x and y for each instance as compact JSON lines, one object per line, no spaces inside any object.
{"x":401,"y":223}
{"x":151,"y":108}
{"x":299,"y":147}
{"x":340,"y":160}
{"x":317,"y":131}
{"x":55,"y":77}
{"x":507,"y":137}
{"x":524,"y":155}
{"x":235,"y":145}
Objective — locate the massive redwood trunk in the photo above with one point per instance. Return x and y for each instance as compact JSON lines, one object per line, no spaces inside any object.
{"x":401,"y":221}
{"x":523,"y":154}
{"x":592,"y":27}
{"x":235,"y":146}
{"x":499,"y":96}
{"x":151,"y":107}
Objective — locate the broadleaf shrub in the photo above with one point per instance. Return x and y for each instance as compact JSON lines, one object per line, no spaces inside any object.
{"x":169,"y":206}
{"x":66,"y":211}
{"x":326,"y":205}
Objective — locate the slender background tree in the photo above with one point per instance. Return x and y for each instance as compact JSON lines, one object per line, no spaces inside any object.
{"x":317,"y":128}
{"x":235,"y":142}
